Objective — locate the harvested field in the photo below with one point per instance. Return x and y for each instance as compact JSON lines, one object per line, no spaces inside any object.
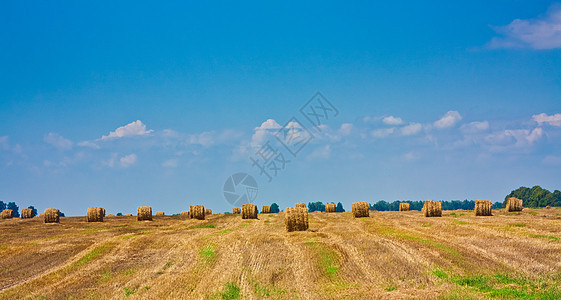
{"x":393,"y":255}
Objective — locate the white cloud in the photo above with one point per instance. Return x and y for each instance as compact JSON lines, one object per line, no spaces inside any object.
{"x":552,"y":160}
{"x":346,"y":128}
{"x":206,"y":139}
{"x":391,"y":120}
{"x":411,"y":129}
{"x":131,"y":129}
{"x":448,"y":120}
{"x":5,"y":145}
{"x":411,"y":156}
{"x":128,"y":160}
{"x":382,"y":133}
{"x":540,"y":33}
{"x":474,"y":127}
{"x":262,"y":132}
{"x":88,"y":144}
{"x":58,"y":141}
{"x":525,"y":137}
{"x":553,"y":120}
{"x":170,"y":163}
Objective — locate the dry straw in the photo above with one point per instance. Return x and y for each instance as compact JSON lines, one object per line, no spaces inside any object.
{"x":236,"y":210}
{"x":483,"y":208}
{"x":296,"y":219}
{"x":110,"y":215}
{"x":330,"y":207}
{"x":266,"y":209}
{"x":361,"y":209}
{"x":249,"y":211}
{"x":160,"y":214}
{"x":197,"y":212}
{"x":27,"y":213}
{"x":95,"y":214}
{"x":144,"y":213}
{"x":185,"y":214}
{"x":128,"y":215}
{"x":7,"y":214}
{"x":432,"y":208}
{"x":513,"y":204}
{"x":404,"y":206}
{"x":52,"y":215}
{"x":302,"y":205}
{"x":208,"y":211}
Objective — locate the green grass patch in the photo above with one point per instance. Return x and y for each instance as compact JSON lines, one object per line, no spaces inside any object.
{"x":224,"y":231}
{"x":203,"y":226}
{"x":454,"y":215}
{"x":263,"y":291}
{"x":91,"y":230}
{"x":426,"y":225}
{"x":208,"y":254}
{"x":230,"y":291}
{"x":392,"y":232}
{"x":533,"y":213}
{"x":503,"y":286}
{"x":126,"y":237}
{"x":91,"y":255}
{"x":458,"y":222}
{"x":517,"y":225}
{"x":267,"y":221}
{"x":129,"y":292}
{"x":328,"y":259}
{"x":271,"y":216}
{"x":391,"y":288}
{"x":540,"y":236}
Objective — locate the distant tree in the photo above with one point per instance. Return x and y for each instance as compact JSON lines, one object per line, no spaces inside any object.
{"x":34,"y":213}
{"x":339,"y":207}
{"x":119,"y":214}
{"x":227,"y":213}
{"x":536,"y":196}
{"x":275,"y":208}
{"x":14,"y":207}
{"x":316,"y":206}
{"x":62,"y":214}
{"x":2,"y":205}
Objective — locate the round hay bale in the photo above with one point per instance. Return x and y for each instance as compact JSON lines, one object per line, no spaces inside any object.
{"x":144,"y":213}
{"x":236,"y":210}
{"x":27,"y":213}
{"x":432,"y":208}
{"x":160,"y":214}
{"x":514,"y":204}
{"x":296,"y":219}
{"x":208,"y":211}
{"x":110,"y":215}
{"x":548,"y":207}
{"x":197,"y":212}
{"x":266,"y":209}
{"x":128,"y":215}
{"x":95,"y":214}
{"x":7,"y":214}
{"x":302,"y":205}
{"x":330,"y":207}
{"x":185,"y":214}
{"x":404,"y":206}
{"x":249,"y":211}
{"x":360,"y":209}
{"x":483,"y":208}
{"x":52,"y":215}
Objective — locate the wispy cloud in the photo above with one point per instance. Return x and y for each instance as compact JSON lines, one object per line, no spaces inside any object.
{"x":382,"y":133}
{"x":58,"y":141}
{"x":540,"y":33}
{"x":391,"y":120}
{"x":448,"y":120}
{"x":411,"y":129}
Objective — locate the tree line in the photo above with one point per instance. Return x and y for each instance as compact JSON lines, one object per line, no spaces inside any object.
{"x":15,"y":208}
{"x":536,"y":197}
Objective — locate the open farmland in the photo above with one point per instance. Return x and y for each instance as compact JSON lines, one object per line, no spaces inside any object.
{"x":387,"y":255}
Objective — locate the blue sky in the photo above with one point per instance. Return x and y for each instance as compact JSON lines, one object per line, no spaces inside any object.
{"x":132,"y":103}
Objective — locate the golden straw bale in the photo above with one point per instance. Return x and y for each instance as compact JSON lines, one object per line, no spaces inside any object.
{"x":160,"y":214}
{"x":296,"y":219}
{"x":483,"y":208}
{"x":7,"y":214}
{"x":185,"y":214}
{"x":249,"y":211}
{"x":330,"y":207}
{"x":110,"y":215}
{"x":144,"y":213}
{"x":514,"y":204}
{"x":360,"y":209}
{"x":432,"y":208}
{"x":208,"y":211}
{"x":95,"y":214}
{"x":52,"y":215}
{"x":302,"y":205}
{"x":128,"y":215}
{"x":404,"y":206}
{"x":27,"y":213}
{"x":197,"y":212}
{"x":236,"y":210}
{"x":266,"y":209}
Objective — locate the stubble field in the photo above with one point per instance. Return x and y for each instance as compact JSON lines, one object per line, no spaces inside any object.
{"x":388,"y":255}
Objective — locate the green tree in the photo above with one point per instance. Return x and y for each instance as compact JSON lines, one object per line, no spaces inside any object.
{"x":275,"y":208}
{"x":339,"y":207}
{"x":2,"y":205}
{"x":316,"y":206}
